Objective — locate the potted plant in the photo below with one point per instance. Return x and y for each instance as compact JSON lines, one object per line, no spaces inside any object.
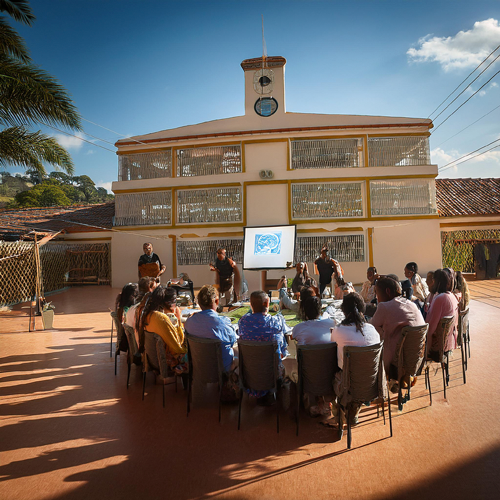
{"x":47,"y":315}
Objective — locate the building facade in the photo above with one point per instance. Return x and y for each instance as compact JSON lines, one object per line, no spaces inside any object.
{"x":362,"y":184}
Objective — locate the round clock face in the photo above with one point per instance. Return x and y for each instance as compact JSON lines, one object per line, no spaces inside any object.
{"x":263,"y":81}
{"x":266,"y":106}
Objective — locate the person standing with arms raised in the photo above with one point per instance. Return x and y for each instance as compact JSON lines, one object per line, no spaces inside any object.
{"x":327,"y":267}
{"x":224,"y":268}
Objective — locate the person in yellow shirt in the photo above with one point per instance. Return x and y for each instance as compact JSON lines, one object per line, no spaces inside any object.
{"x":162,"y":316}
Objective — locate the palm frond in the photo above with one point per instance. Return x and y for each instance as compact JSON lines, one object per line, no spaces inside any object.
{"x":19,"y":147}
{"x":29,"y":95}
{"x":19,"y":10}
{"x":11,"y":44}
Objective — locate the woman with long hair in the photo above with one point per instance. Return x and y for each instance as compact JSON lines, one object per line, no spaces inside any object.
{"x":420,"y":290}
{"x":463,"y":288}
{"x":125,"y":299}
{"x":161,"y":315}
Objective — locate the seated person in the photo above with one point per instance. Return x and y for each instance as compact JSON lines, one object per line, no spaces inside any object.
{"x":314,"y":330}
{"x":443,"y":304}
{"x":420,"y":290}
{"x":302,"y":279}
{"x":353,"y":331}
{"x":258,"y":325}
{"x":162,"y":316}
{"x":124,"y":301}
{"x":182,"y":283}
{"x":431,"y":286}
{"x":208,"y":324}
{"x":462,"y":287}
{"x":368,"y":289}
{"x":393,"y":313}
{"x":146,"y":285}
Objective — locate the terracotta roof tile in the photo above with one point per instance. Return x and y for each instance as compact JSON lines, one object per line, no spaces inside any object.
{"x":86,"y":218}
{"x":462,"y":197}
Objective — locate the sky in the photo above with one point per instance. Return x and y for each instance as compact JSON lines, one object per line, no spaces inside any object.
{"x":134,"y":67}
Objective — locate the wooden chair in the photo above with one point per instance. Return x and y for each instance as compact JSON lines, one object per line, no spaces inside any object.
{"x":205,"y":365}
{"x":317,"y":365}
{"x":258,"y":371}
{"x":362,"y":381}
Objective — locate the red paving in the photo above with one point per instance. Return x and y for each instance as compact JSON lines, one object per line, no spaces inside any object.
{"x":69,"y":429}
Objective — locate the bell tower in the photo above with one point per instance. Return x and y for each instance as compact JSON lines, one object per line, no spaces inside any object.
{"x":264,"y":86}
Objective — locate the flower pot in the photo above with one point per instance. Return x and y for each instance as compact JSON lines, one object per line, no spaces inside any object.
{"x":48,"y":319}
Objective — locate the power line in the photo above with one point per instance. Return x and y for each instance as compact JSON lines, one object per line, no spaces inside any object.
{"x":109,"y":130}
{"x":465,"y":102}
{"x":468,"y":154}
{"x":480,"y":154}
{"x":477,"y":67}
{"x":473,"y":123}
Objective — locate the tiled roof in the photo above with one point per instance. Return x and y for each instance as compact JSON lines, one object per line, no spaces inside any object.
{"x":87,"y":218}
{"x":462,"y":197}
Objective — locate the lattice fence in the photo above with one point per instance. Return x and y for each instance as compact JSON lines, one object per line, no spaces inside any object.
{"x":61,"y":264}
{"x":458,"y":247}
{"x":210,"y":160}
{"x":326,"y":153}
{"x":398,"y":151}
{"x":345,"y":248}
{"x":203,"y":252}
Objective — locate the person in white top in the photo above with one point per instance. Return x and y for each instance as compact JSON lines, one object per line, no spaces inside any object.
{"x":353,"y":331}
{"x":315,"y":330}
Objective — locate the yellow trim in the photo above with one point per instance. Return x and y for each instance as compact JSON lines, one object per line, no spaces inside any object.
{"x":84,"y":239}
{"x":464,"y":224}
{"x":336,"y":230}
{"x":276,"y":181}
{"x":216,"y":235}
{"x":322,"y":137}
{"x":370,"y":246}
{"x":174,"y":253}
{"x":290,"y":214}
{"x":189,"y":235}
{"x":185,"y":188}
{"x":363,"y":219}
{"x":259,"y":141}
{"x":243,"y":160}
{"x":174,"y":163}
{"x":368,"y":200}
{"x":288,"y":155}
{"x":128,"y":191}
{"x":208,"y":145}
{"x":179,"y":226}
{"x":364,"y":178}
{"x":140,"y":151}
{"x":416,"y":134}
{"x":365,"y":150}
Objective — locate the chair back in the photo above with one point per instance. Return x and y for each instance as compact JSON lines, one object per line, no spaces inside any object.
{"x":132,"y":343}
{"x":205,"y":359}
{"x":463,"y":325}
{"x":443,"y":332}
{"x":411,"y":350}
{"x":363,"y":374}
{"x":155,"y":354}
{"x":317,"y":367}
{"x":258,"y":363}
{"x":119,"y":329}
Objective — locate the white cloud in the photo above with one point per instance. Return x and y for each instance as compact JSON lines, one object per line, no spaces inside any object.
{"x":466,"y":49}
{"x":90,"y":152}
{"x":106,"y":185}
{"x":440,"y":157}
{"x":70,"y":142}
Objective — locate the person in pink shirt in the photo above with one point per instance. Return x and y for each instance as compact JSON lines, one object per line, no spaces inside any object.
{"x":443,"y":304}
{"x":393,"y":313}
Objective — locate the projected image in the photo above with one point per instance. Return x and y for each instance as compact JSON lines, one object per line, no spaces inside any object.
{"x":268,"y":243}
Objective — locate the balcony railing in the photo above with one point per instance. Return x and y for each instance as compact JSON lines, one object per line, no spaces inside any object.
{"x":152,"y":165}
{"x":344,"y":248}
{"x":398,"y":151}
{"x":327,"y":153}
{"x":146,"y":208}
{"x":211,"y":160}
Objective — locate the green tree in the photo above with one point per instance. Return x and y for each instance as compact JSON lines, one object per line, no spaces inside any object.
{"x":87,"y":186}
{"x":46,"y":194}
{"x":29,"y":96}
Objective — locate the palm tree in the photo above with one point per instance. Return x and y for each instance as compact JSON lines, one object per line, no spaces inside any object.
{"x":29,"y":96}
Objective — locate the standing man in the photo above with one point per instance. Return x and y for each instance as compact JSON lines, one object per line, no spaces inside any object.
{"x":225,"y":268}
{"x":149,"y":263}
{"x":326,"y":268}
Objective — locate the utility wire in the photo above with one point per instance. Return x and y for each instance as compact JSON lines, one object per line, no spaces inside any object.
{"x":473,"y":123}
{"x":477,"y":67}
{"x":465,"y":102}
{"x":484,"y":152}
{"x":468,"y":154}
{"x":109,"y":130}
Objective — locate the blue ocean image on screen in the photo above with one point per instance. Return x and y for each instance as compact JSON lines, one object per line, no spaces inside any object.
{"x":268,"y":243}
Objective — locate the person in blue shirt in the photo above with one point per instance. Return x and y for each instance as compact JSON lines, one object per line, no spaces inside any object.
{"x":208,"y":324}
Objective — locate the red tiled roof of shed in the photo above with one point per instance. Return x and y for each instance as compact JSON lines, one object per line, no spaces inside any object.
{"x":468,"y":197}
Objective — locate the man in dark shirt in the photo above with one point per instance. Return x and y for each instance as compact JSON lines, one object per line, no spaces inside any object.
{"x":149,"y":263}
{"x":326,"y":268}
{"x":225,"y":267}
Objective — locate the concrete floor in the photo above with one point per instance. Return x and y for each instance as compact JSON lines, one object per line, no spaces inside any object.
{"x":69,"y":429}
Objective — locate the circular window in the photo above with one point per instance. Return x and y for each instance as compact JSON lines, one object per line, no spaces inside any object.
{"x":264,"y":81}
{"x":266,"y":106}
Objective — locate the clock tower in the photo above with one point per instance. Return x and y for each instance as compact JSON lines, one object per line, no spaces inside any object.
{"x":264,"y":86}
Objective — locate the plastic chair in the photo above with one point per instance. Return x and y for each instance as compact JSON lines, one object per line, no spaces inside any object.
{"x":132,"y":349}
{"x":155,"y":360}
{"x":463,"y":337}
{"x":362,"y":381}
{"x":317,"y":365}
{"x":205,"y":365}
{"x":258,"y":370}
{"x":442,"y":334}
{"x":410,"y":354}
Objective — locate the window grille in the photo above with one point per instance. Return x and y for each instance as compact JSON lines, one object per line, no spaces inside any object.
{"x":403,"y":197}
{"x":398,"y":151}
{"x":327,"y":153}
{"x":345,"y":248}
{"x":145,"y":165}
{"x":203,"y":252}
{"x":458,"y":247}
{"x":154,"y":207}
{"x":211,"y":160}
{"x":209,"y":205}
{"x":327,"y":200}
